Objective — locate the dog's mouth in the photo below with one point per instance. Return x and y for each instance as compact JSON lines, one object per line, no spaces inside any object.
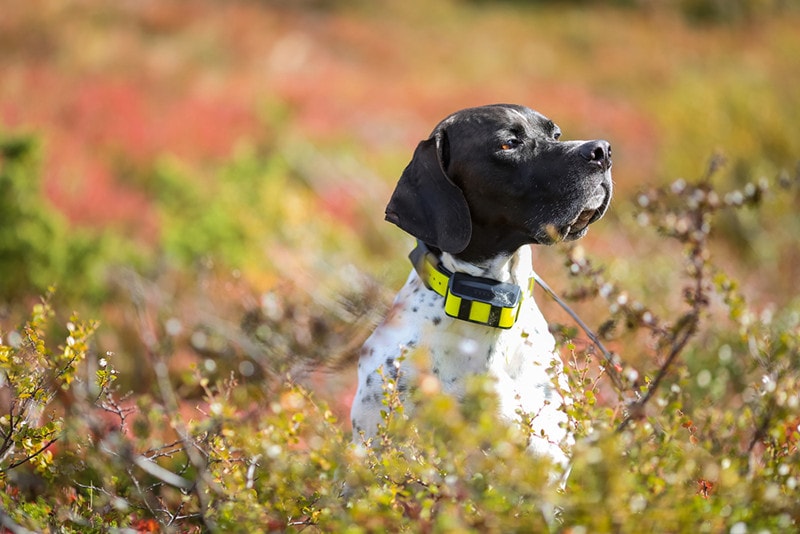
{"x":584,"y":219}
{"x":577,"y":228}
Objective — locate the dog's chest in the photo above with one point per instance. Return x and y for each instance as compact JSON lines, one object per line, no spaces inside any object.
{"x":518,"y":358}
{"x":521,"y":360}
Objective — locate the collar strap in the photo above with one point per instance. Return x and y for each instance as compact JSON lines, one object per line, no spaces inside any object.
{"x":470,"y":298}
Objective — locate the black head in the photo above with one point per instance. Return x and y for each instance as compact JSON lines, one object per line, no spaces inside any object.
{"x":494,"y":178}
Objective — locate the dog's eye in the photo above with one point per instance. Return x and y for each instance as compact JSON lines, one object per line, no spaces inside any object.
{"x":510,"y":144}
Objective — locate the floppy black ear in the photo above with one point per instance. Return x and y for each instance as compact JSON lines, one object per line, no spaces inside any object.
{"x":427,"y":204}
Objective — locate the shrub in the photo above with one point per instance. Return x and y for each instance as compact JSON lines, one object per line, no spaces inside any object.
{"x":29,"y":248}
{"x":37,"y":246}
{"x":693,"y":429}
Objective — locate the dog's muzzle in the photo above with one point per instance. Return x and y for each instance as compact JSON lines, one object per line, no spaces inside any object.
{"x":590,"y":214}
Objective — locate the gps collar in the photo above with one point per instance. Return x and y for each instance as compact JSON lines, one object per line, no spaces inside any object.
{"x":469,"y":298}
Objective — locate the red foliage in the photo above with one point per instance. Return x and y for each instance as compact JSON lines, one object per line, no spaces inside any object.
{"x":100,"y":130}
{"x":145,"y":525}
{"x":338,"y":74}
{"x":705,"y":488}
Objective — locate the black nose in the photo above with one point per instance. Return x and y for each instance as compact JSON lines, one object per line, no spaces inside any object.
{"x":598,"y":152}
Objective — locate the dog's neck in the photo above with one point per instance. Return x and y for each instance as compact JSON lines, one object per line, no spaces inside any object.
{"x":513,"y":268}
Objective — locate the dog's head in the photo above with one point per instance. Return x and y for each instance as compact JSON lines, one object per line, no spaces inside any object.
{"x":494,"y":178}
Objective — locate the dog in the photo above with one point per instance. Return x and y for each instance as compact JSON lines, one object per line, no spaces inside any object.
{"x":486,"y":184}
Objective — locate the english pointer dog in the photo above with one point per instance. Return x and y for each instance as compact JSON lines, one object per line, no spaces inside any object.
{"x":486,"y":184}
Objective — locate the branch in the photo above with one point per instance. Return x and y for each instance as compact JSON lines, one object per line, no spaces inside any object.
{"x":611,"y":368}
{"x":678,"y":345}
{"x":8,"y":524}
{"x":8,"y":439}
{"x":171,"y":404}
{"x":761,"y":430}
{"x":30,"y":456}
{"x":684,"y":330}
{"x":164,"y":475}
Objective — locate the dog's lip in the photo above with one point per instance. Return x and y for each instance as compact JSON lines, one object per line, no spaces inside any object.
{"x":587,"y":216}
{"x":584,"y":219}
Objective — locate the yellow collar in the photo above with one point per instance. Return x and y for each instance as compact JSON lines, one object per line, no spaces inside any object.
{"x":470,"y":298}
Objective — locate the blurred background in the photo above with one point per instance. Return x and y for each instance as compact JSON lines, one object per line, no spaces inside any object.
{"x":208,"y":178}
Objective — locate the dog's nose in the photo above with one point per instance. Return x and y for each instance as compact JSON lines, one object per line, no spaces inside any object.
{"x":598,"y":152}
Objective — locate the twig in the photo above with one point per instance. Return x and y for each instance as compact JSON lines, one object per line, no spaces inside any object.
{"x":761,"y":431}
{"x":8,"y":439}
{"x":30,"y":456}
{"x":154,"y":349}
{"x":611,"y":366}
{"x":677,"y":347}
{"x":8,"y":524}
{"x":203,"y":480}
{"x":684,"y":329}
{"x":164,"y":475}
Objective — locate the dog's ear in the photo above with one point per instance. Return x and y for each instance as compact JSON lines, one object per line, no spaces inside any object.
{"x":427,"y":204}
